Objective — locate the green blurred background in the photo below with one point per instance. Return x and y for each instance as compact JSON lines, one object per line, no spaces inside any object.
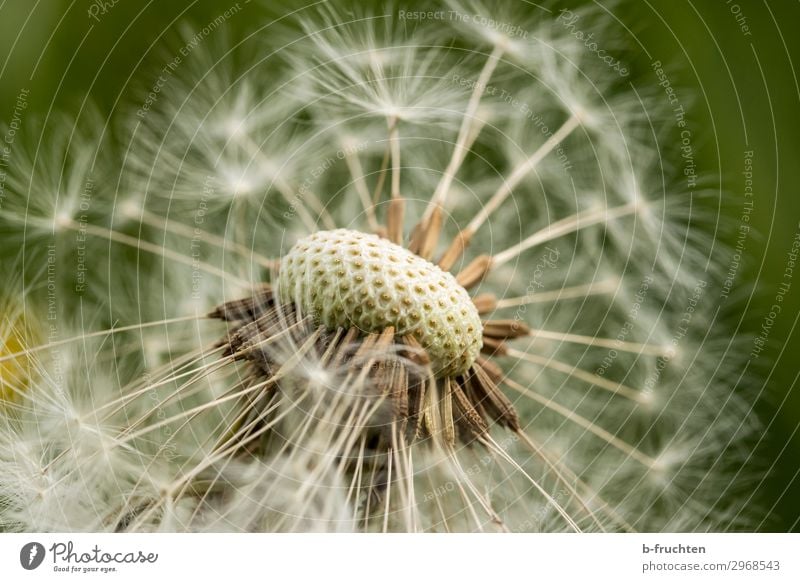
{"x":736,"y":59}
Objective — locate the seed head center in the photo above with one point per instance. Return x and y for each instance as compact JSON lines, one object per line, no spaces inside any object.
{"x":347,"y":278}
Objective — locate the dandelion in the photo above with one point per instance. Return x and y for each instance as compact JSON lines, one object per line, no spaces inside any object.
{"x":429,"y":278}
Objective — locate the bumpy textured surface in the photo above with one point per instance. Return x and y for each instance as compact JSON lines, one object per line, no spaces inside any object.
{"x":350,"y":279}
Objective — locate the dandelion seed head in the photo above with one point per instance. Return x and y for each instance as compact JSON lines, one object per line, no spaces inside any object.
{"x":548,"y":392}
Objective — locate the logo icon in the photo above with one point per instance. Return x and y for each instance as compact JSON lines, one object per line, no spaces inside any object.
{"x":31,"y":555}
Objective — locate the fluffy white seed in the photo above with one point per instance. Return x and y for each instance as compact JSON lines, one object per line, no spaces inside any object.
{"x":351,"y":279}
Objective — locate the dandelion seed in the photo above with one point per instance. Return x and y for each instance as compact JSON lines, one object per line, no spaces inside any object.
{"x":321,"y":337}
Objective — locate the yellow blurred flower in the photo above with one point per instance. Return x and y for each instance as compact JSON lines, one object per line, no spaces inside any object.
{"x":15,"y":372}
